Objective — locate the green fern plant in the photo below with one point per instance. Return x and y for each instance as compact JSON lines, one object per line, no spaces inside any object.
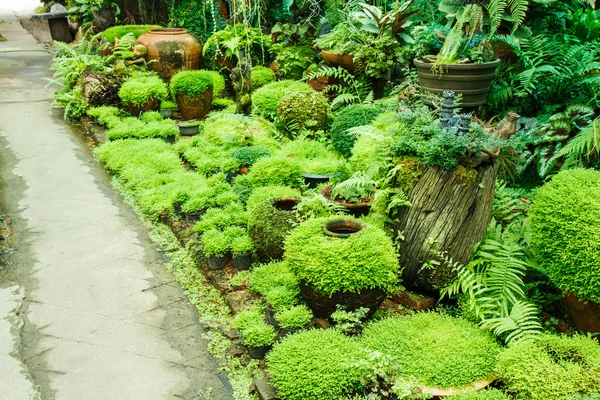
{"x":583,"y":147}
{"x":359,"y":187}
{"x":352,"y":90}
{"x":494,"y":287}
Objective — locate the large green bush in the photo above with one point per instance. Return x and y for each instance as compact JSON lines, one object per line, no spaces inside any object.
{"x":302,"y":110}
{"x":437,"y":350}
{"x":350,"y":117}
{"x":276,"y":171}
{"x":261,"y":76}
{"x":555,"y":367}
{"x":140,"y":88}
{"x":315,"y":364}
{"x":192,"y":83}
{"x":266,"y":99}
{"x":365,"y":260}
{"x":565,"y":231}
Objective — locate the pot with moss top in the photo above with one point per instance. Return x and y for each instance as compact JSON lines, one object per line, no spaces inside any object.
{"x":216,"y":247}
{"x":189,"y":128}
{"x":217,"y":262}
{"x":193,"y":91}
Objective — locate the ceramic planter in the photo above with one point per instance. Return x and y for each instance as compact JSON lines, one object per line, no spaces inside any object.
{"x":258,"y":353}
{"x":149,"y":105}
{"x":242,"y":262}
{"x":195,"y":107}
{"x":586,"y":315}
{"x":354,"y":209}
{"x":170,"y":139}
{"x":190,"y":130}
{"x":171,"y":50}
{"x":217,"y":262}
{"x":314,"y":180}
{"x":166,"y":113}
{"x":345,"y":61}
{"x":473,"y":81}
{"x":343,"y":228}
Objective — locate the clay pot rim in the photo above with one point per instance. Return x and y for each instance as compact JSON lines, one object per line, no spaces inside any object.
{"x":351,"y":222}
{"x":326,"y":191}
{"x":168,"y":31}
{"x":465,"y":66}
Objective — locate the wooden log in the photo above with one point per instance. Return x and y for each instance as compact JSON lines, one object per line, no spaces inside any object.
{"x":450,"y":212}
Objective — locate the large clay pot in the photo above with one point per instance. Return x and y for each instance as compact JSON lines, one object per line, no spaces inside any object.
{"x":345,"y":61}
{"x":473,"y":81}
{"x":151,"y":104}
{"x":171,"y":50}
{"x":585,"y":315}
{"x":195,"y":107}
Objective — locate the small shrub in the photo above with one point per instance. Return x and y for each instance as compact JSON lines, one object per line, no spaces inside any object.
{"x":268,"y":227}
{"x":139,"y":89}
{"x":106,"y":115}
{"x":218,"y":83}
{"x":215,"y":243}
{"x":242,"y":244}
{"x":561,"y":365}
{"x":276,"y":171}
{"x":261,"y":76}
{"x":565,"y":227}
{"x":168,"y":105}
{"x":296,"y":317}
{"x":315,"y":364}
{"x":227,"y":130}
{"x":258,"y":335}
{"x":150,"y":116}
{"x":282,"y":297}
{"x":365,"y":260}
{"x":266,"y":99}
{"x":268,"y":276}
{"x":437,"y":350}
{"x":350,"y":117}
{"x":131,"y":127}
{"x":191,"y":83}
{"x":247,"y":318}
{"x":315,"y":157}
{"x":249,"y":155}
{"x":302,"y":110}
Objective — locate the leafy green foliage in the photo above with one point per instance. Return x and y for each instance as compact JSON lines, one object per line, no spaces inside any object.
{"x":350,"y":117}
{"x":353,"y":89}
{"x":583,"y":148}
{"x":247,"y":156}
{"x":131,"y":127}
{"x":106,"y":115}
{"x":200,"y":18}
{"x":356,"y":189}
{"x":296,"y":317}
{"x":234,"y":39}
{"x":315,"y":157}
{"x":365,"y":260}
{"x":567,"y":207}
{"x":276,"y":171}
{"x":268,"y":277}
{"x":168,"y":105}
{"x":121,"y":30}
{"x":315,"y":364}
{"x":215,"y":243}
{"x":561,"y":365}
{"x":262,"y":194}
{"x":292,"y":60}
{"x":303,"y":110}
{"x":349,"y":322}
{"x":260,"y":76}
{"x":255,"y":332}
{"x":229,"y":131}
{"x":192,"y":83}
{"x":242,"y":244}
{"x":151,"y":116}
{"x":436,"y":350}
{"x":282,"y":297}
{"x":266,"y":98}
{"x":139,"y":89}
{"x":490,"y":394}
{"x":269,"y":227}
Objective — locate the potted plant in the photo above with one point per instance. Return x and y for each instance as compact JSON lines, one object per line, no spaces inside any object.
{"x":279,"y":298}
{"x":247,"y":156}
{"x":193,"y":91}
{"x":567,"y":207}
{"x":256,"y":334}
{"x":242,"y":248}
{"x":216,"y":246}
{"x":355,"y":194}
{"x":355,"y":272}
{"x":467,"y":63}
{"x":189,"y":128}
{"x":294,"y":319}
{"x":143,"y":92}
{"x":167,"y":108}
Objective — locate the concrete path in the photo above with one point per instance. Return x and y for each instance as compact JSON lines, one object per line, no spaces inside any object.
{"x":92,"y":314}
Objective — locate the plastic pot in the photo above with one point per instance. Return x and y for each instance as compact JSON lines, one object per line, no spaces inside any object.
{"x":170,"y":139}
{"x":192,"y":218}
{"x":271,"y":320}
{"x":314,"y":180}
{"x":258,"y":353}
{"x":242,"y":262}
{"x":217,"y":262}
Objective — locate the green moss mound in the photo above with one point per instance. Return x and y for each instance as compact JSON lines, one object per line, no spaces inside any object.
{"x":491,"y":394}
{"x":350,"y":117}
{"x":558,"y":365}
{"x":261,"y":76}
{"x":437,"y":350}
{"x":365,"y":260}
{"x":565,"y":231}
{"x":303,"y":110}
{"x":315,"y":364}
{"x":119,"y":31}
{"x":218,"y":83}
{"x":192,"y":83}
{"x":131,"y":127}
{"x":276,"y":171}
{"x":269,"y":226}
{"x":266,"y":99}
{"x":138,"y":89}
{"x":315,"y":157}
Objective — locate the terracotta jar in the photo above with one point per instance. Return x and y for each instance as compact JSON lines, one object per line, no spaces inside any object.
{"x":171,"y":50}
{"x":195,"y":107}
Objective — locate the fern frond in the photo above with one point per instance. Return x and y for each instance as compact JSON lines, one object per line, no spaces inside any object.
{"x":496,"y":11}
{"x":521,"y":324}
{"x":518,"y":11}
{"x":584,"y":144}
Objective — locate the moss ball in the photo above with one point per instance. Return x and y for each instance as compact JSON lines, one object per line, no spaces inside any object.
{"x":266,"y":98}
{"x":350,"y":117}
{"x":315,"y":364}
{"x":561,"y":365}
{"x":192,"y":83}
{"x":268,"y":226}
{"x":261,"y":76}
{"x":303,"y":110}
{"x":121,"y":30}
{"x":276,"y":171}
{"x":218,"y":83}
{"x":565,"y":227}
{"x":141,"y":88}
{"x":365,"y":260}
{"x":437,"y":350}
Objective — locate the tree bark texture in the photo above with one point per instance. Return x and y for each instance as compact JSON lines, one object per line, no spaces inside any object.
{"x":449,"y":214}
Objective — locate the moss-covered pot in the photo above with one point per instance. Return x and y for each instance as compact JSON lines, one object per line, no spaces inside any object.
{"x":269,"y":223}
{"x":149,"y":105}
{"x":325,"y":305}
{"x":195,"y":107}
{"x":258,"y":353}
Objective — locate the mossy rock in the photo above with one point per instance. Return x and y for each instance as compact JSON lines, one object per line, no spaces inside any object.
{"x":269,"y":225}
{"x":303,"y":110}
